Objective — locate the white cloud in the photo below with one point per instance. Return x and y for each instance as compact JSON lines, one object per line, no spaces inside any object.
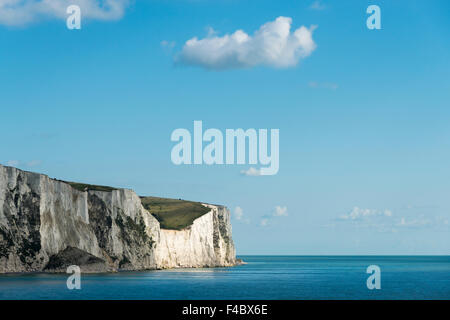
{"x":280,"y":211}
{"x":22,"y":12}
{"x":418,"y":222}
{"x":238,"y":213}
{"x":317,"y":5}
{"x":272,"y":45}
{"x":358,"y":213}
{"x":380,"y":220}
{"x":385,"y":221}
{"x":251,"y":172}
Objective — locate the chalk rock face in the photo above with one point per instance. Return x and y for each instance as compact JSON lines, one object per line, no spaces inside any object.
{"x":46,"y":225}
{"x":206,"y":243}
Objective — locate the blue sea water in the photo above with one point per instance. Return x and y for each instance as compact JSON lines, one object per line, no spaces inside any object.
{"x":263,"y":277}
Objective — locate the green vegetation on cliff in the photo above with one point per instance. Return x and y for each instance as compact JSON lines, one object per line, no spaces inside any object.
{"x":89,"y":187}
{"x":172,"y":213}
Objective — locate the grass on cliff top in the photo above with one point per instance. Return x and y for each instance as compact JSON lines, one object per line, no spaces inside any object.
{"x":89,"y":187}
{"x":174,"y":214}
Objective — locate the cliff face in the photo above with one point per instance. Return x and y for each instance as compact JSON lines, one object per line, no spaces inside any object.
{"x":46,"y":225}
{"x":207,"y":243}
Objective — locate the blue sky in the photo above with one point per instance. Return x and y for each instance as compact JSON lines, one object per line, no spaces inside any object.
{"x":363,"y":119}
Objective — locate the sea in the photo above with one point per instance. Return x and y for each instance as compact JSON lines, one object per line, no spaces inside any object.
{"x":262,"y":277}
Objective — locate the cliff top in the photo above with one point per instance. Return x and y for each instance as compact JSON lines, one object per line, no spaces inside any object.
{"x":89,"y":187}
{"x":173,"y":214}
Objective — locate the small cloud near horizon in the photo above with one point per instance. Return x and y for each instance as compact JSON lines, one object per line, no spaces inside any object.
{"x":251,"y":172}
{"x":385,"y":221}
{"x":239,"y":215}
{"x":278,"y":211}
{"x":358,"y":213}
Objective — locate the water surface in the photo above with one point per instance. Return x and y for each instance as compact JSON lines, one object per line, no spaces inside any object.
{"x":264,"y":277}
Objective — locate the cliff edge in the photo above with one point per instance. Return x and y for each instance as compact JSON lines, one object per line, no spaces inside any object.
{"x":47,"y":225}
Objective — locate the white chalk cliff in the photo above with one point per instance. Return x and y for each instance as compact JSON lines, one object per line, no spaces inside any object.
{"x":47,"y":225}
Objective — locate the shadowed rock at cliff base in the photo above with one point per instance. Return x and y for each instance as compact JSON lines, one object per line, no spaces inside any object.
{"x":74,"y":256}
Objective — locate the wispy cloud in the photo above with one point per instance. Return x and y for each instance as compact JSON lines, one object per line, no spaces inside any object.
{"x":252,"y":172}
{"x":168,"y":44}
{"x":23,"y":12}
{"x":357,"y":213}
{"x":29,"y":164}
{"x":317,"y":5}
{"x":278,"y":211}
{"x":272,"y":45}
{"x":423,"y":221}
{"x":386,"y":221}
{"x":238,"y":214}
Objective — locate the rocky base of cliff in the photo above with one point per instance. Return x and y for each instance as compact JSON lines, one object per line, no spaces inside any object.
{"x":74,"y":256}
